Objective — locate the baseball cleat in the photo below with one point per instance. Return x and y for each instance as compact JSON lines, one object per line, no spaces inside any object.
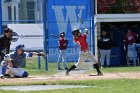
{"x":100,"y":74}
{"x":67,"y":72}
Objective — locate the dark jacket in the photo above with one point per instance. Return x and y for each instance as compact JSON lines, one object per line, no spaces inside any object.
{"x":4,"y":45}
{"x":104,"y":43}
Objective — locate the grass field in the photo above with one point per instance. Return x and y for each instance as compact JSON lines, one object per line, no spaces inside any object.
{"x":123,"y":85}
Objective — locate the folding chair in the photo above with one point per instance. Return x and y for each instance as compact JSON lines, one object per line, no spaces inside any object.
{"x":130,"y":59}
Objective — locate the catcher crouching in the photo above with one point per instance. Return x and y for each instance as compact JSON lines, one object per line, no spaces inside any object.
{"x":10,"y":64}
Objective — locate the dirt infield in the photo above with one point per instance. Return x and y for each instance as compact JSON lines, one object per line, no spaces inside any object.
{"x":74,"y":75}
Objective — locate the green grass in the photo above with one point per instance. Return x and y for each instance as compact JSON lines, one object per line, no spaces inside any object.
{"x":105,"y":86}
{"x":32,"y":67}
{"x":101,"y":86}
{"x":121,"y":69}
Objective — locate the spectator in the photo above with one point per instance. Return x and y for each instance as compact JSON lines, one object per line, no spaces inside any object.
{"x":104,"y":46}
{"x":129,"y":39}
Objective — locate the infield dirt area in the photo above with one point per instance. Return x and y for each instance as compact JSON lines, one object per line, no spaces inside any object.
{"x":74,"y":75}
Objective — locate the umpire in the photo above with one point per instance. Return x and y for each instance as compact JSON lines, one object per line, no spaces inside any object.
{"x":5,"y":42}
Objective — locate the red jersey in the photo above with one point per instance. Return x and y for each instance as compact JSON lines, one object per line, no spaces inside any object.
{"x":130,"y":38}
{"x":62,"y":43}
{"x":81,"y":41}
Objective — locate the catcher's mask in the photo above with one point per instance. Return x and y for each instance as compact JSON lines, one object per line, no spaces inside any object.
{"x":75,"y":32}
{"x":6,"y":30}
{"x":20,"y":47}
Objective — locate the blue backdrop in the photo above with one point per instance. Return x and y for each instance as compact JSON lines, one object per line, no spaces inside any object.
{"x":63,"y":17}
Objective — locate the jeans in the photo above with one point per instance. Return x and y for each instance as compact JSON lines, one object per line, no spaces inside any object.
{"x":105,"y":54}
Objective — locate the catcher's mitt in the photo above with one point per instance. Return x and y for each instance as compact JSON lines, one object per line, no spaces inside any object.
{"x":41,"y":54}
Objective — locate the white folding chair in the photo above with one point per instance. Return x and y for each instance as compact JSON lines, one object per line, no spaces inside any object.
{"x":130,"y":58}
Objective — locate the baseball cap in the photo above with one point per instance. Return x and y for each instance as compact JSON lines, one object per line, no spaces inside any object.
{"x":62,"y":34}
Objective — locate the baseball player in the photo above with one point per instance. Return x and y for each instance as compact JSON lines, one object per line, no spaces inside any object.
{"x":11,"y":62}
{"x":80,"y":39}
{"x":62,"y":47}
{"x":5,"y":41}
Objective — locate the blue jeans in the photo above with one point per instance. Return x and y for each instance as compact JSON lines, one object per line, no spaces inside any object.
{"x":103,"y":54}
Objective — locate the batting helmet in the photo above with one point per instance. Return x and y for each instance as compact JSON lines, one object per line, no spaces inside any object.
{"x":6,"y":30}
{"x":75,"y":32}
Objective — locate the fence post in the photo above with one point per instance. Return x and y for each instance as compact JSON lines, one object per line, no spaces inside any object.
{"x":45,"y":29}
{"x":0,"y":17}
{"x":92,"y":22}
{"x":39,"y":64}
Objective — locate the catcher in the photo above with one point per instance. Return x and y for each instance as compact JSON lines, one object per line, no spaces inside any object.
{"x":80,"y":39}
{"x":11,"y":62}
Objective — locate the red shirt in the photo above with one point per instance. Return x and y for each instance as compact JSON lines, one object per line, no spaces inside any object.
{"x":130,"y":38}
{"x":81,"y":41}
{"x":62,"y":44}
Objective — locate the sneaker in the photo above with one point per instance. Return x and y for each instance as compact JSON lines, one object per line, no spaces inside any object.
{"x":100,"y":74}
{"x":7,"y":75}
{"x":67,"y":72}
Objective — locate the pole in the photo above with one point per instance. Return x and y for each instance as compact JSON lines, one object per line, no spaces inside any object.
{"x":45,"y":28}
{"x":96,"y":7}
{"x":39,"y":61}
{"x":92,"y":24}
{"x":0,"y":17}
{"x":37,"y":10}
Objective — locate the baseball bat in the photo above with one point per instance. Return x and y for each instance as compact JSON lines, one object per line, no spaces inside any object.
{"x":54,"y":35}
{"x":81,"y":21}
